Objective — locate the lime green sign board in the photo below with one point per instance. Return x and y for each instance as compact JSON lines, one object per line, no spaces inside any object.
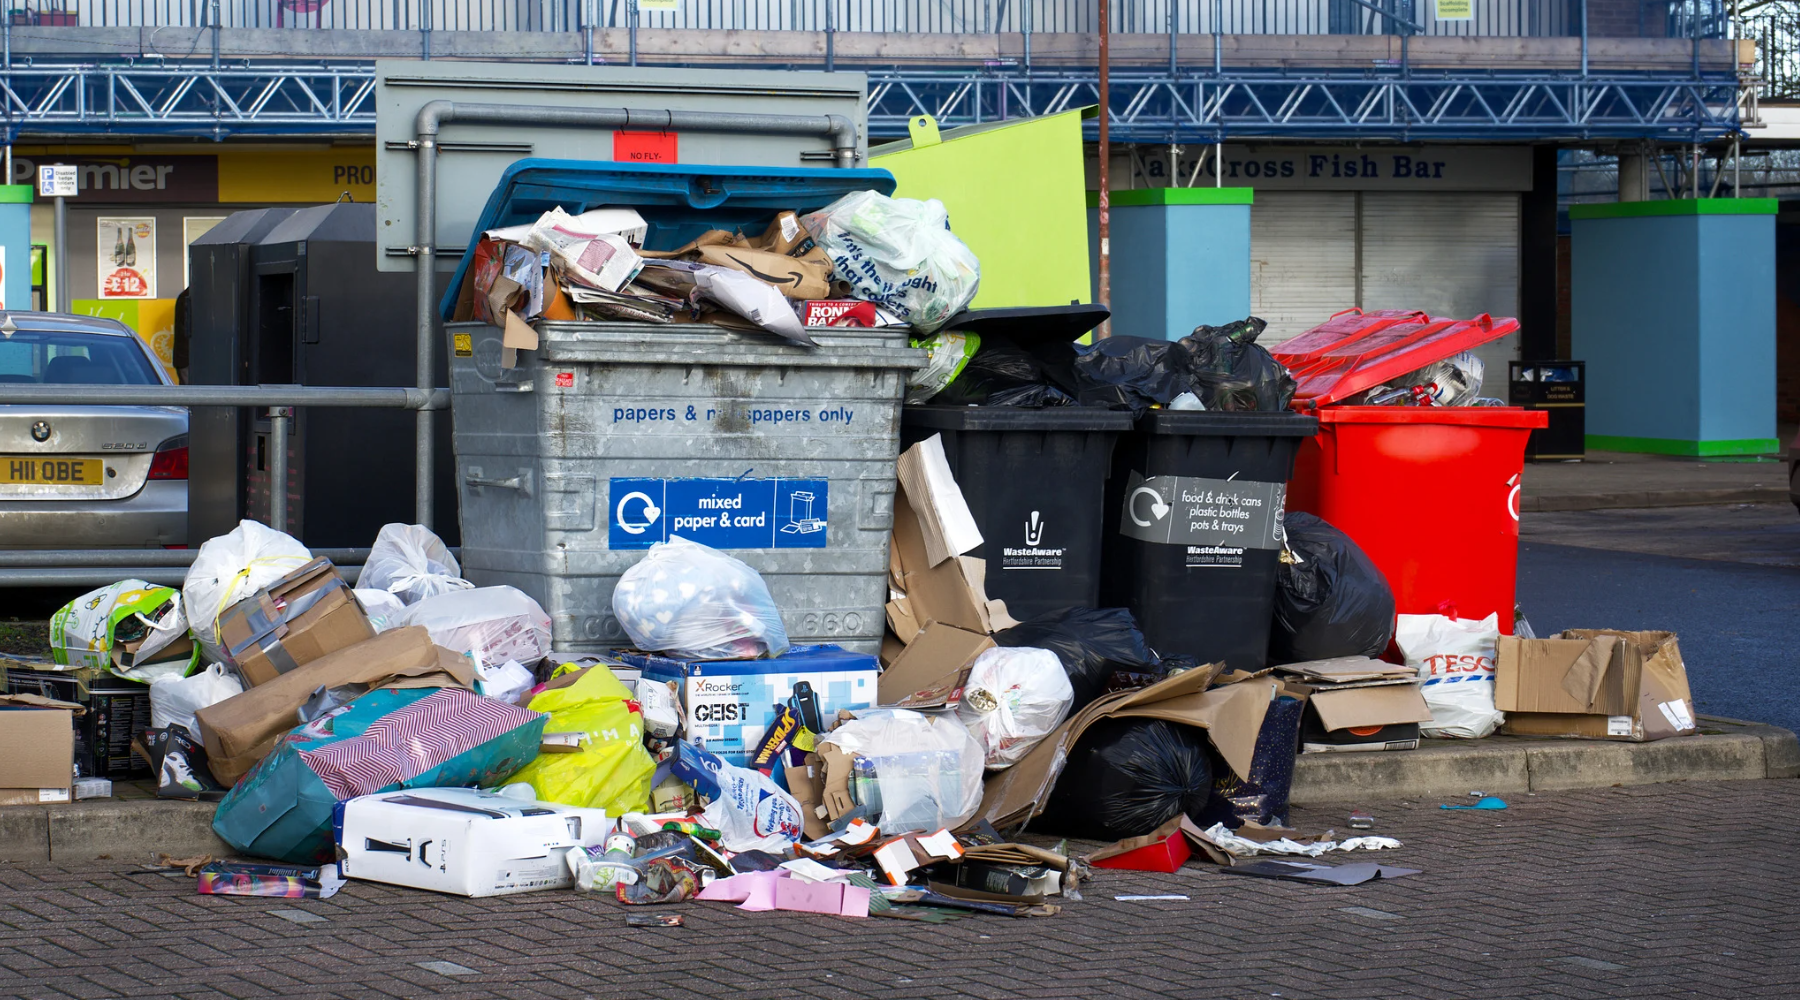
{"x":1017,"y":195}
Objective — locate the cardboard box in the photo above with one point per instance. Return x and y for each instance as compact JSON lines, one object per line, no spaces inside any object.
{"x":1376,"y":716}
{"x":37,"y":749}
{"x":726,"y":705}
{"x":115,"y":713}
{"x":293,"y":621}
{"x":463,"y":841}
{"x":1594,"y":684}
{"x":242,"y":729}
{"x":931,"y":671}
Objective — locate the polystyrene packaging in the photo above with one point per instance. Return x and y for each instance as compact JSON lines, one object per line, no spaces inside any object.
{"x":489,"y":624}
{"x":898,"y":253}
{"x":231,"y":567}
{"x":1456,"y":657}
{"x":695,"y":602}
{"x":1013,"y":699}
{"x":916,"y":771}
{"x":412,"y":563}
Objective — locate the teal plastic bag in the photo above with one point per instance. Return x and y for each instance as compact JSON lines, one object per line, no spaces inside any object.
{"x":388,"y":739}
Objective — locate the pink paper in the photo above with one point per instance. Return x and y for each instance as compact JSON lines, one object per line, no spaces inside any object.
{"x":811,"y":897}
{"x":856,"y":902}
{"x":755,"y":890}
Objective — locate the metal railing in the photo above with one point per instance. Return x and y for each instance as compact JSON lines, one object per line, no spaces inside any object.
{"x":98,"y":567}
{"x":1775,"y":27}
{"x":1504,"y":18}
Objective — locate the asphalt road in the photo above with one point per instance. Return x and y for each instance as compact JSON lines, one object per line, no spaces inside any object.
{"x":1736,"y":614}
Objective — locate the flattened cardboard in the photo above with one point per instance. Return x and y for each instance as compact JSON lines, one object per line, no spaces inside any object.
{"x":930,"y":670}
{"x":947,"y":527}
{"x":242,"y":729}
{"x":1231,"y":716}
{"x":293,"y":621}
{"x":805,"y":784}
{"x":37,"y":749}
{"x":951,"y":592}
{"x":1383,"y":705}
{"x":834,"y":776}
{"x":1347,"y":669}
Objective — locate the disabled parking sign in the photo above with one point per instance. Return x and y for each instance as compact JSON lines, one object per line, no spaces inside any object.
{"x":721,"y":513}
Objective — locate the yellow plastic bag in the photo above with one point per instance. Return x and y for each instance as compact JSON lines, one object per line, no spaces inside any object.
{"x":611,"y":770}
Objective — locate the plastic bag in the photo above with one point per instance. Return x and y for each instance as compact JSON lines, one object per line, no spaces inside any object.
{"x":489,"y":624}
{"x":1262,"y":795}
{"x":228,"y":569}
{"x":1455,"y":656}
{"x":946,"y":355}
{"x":175,"y":699}
{"x":1126,"y":777}
{"x":1233,"y":372}
{"x":898,"y":253}
{"x":382,"y":607}
{"x":912,"y":771}
{"x":610,"y":768}
{"x":749,"y":810}
{"x":1014,"y":697}
{"x":412,"y":563}
{"x":1092,"y":643}
{"x":1330,"y":600}
{"x":130,"y":613}
{"x":1132,"y":373}
{"x":698,"y":603}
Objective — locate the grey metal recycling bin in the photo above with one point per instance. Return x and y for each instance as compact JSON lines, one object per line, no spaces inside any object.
{"x":611,"y":435}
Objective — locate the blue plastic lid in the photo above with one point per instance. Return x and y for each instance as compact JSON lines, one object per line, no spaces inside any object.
{"x":678,"y":201}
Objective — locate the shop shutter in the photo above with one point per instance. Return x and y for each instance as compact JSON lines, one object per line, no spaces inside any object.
{"x":1302,"y":259}
{"x":1453,"y":254}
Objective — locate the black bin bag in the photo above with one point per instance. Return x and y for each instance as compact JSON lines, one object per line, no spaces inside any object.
{"x":1331,"y":600}
{"x":1092,"y":643}
{"x":1126,"y":777}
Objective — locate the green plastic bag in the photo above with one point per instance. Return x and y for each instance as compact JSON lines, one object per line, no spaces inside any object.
{"x":611,"y":770}
{"x":133,"y":616}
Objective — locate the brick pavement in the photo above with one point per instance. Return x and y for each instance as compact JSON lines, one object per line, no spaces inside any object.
{"x":1651,"y":891}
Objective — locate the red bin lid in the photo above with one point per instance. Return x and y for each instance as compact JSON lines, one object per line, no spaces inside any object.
{"x":1335,"y":362}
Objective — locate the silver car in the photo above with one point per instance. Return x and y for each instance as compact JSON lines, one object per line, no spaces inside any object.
{"x":88,"y":477}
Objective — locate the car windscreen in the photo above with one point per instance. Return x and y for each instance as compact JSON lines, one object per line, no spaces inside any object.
{"x":58,"y":358}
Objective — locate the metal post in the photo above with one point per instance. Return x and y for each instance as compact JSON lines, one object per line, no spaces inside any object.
{"x":1219,"y":163}
{"x":425,"y":50}
{"x":214,"y":17}
{"x":1104,"y":200}
{"x":1174,"y":11}
{"x":9,"y":43}
{"x":1028,"y":4}
{"x":830,"y":36}
{"x":278,"y":467}
{"x":1737,"y":163}
{"x":1584,"y":40}
{"x":631,"y":12}
{"x":62,"y":255}
{"x":587,"y":14}
{"x":1694,"y":171}
{"x":1218,"y":39}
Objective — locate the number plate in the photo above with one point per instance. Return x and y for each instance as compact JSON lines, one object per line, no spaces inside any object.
{"x":33,"y":470}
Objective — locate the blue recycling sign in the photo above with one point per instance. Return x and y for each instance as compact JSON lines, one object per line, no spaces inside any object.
{"x":722,"y":513}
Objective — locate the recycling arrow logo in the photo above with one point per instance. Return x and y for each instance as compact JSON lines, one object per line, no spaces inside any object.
{"x":1159,"y":508}
{"x":649,"y":513}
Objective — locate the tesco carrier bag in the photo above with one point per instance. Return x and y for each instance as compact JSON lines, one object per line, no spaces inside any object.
{"x":1455,"y":657}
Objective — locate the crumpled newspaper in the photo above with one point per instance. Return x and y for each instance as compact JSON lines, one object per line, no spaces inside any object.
{"x":1221,"y":837}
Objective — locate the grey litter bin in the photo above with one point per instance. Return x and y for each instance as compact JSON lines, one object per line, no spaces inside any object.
{"x":611,"y":434}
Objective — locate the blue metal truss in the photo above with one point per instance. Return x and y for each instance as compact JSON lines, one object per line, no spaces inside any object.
{"x":1188,"y":106}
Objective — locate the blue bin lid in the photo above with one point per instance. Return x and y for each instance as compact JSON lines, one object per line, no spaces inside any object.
{"x":678,"y":201}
